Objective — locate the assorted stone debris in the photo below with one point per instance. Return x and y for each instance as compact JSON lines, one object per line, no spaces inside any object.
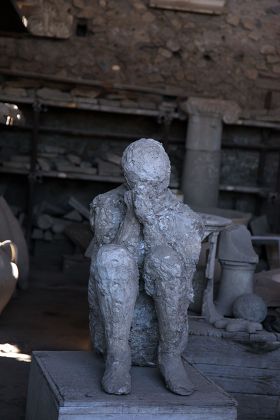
{"x":104,"y":98}
{"x":62,"y":162}
{"x":50,"y":222}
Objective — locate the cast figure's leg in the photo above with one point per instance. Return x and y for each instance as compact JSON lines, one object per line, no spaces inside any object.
{"x":116,"y":274}
{"x":96,"y":326}
{"x":166,"y":280}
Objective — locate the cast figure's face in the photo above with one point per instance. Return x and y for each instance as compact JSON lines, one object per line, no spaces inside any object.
{"x":146,"y":165}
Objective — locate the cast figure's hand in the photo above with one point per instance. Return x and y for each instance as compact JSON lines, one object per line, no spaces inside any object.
{"x":143,"y":201}
{"x":129,"y":231}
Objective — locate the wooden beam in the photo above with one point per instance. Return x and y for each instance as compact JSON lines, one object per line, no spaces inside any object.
{"x":196,"y":6}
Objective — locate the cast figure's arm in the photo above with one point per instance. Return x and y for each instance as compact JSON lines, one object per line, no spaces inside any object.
{"x":169,"y":222}
{"x":129,"y":230}
{"x":92,"y":214}
{"x":106,"y":215}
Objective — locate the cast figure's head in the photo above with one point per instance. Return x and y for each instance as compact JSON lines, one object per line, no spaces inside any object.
{"x":145,"y":163}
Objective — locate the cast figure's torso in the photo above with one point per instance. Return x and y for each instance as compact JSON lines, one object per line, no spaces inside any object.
{"x":173,"y":223}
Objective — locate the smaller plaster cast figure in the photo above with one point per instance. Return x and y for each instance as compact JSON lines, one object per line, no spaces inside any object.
{"x":142,"y":232}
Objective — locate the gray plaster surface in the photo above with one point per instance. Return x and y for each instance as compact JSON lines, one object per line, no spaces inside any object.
{"x":66,"y":385}
{"x":147,"y":241}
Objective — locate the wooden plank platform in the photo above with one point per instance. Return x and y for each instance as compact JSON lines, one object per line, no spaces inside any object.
{"x":245,"y":365}
{"x":65,"y":385}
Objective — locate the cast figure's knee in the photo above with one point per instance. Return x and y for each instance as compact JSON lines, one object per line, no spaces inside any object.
{"x":164,"y":261}
{"x":114,"y":265}
{"x":115,"y":254}
{"x":162,"y":267}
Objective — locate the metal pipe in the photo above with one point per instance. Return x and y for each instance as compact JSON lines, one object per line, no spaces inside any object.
{"x":32,"y":173}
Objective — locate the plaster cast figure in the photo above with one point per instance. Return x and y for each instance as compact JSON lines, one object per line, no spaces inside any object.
{"x":142,"y":235}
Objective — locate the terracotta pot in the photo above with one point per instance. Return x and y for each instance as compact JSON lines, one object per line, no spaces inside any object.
{"x":10,"y":229}
{"x":8,"y":272}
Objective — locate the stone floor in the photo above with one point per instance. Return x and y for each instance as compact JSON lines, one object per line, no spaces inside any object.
{"x":50,"y":315}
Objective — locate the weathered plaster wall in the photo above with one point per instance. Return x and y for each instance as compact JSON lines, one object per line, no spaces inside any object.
{"x":233,"y":56}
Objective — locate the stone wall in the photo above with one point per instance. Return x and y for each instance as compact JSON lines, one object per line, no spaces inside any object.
{"x":234,"y":56}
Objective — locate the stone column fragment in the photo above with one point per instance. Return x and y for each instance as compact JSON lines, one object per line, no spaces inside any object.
{"x":201,"y":175}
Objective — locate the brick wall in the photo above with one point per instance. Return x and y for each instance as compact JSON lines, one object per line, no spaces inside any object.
{"x":235,"y":55}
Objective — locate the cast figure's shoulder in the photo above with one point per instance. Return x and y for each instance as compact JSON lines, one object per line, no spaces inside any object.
{"x":193,"y":218}
{"x":113,"y":197}
{"x":106,"y":214}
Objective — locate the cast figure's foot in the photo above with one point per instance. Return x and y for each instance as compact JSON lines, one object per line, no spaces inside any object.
{"x":175,"y":374}
{"x":117,"y":378}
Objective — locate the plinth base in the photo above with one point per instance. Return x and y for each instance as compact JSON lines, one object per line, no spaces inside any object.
{"x":65,"y":385}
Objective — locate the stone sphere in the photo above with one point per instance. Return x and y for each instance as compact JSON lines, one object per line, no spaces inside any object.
{"x":250,"y":307}
{"x":145,"y":160}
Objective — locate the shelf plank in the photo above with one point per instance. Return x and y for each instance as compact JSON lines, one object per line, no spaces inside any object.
{"x":69,"y":175}
{"x":85,"y":177}
{"x":64,"y":175}
{"x":196,"y":6}
{"x":244,"y":189}
{"x":77,"y":103}
{"x":85,"y":133}
{"x":16,"y":171}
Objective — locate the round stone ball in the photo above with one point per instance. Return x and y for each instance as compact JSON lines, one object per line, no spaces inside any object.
{"x":250,"y":307}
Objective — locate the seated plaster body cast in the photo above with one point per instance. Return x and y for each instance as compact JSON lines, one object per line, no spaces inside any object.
{"x":142,"y":232}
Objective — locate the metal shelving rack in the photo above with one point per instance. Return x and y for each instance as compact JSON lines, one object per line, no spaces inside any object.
{"x":34,"y":175}
{"x":163,"y":116}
